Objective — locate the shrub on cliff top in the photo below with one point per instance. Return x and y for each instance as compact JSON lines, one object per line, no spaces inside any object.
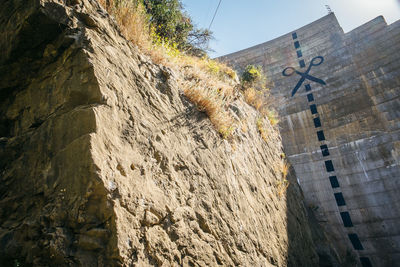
{"x":163,"y":20}
{"x":207,"y":83}
{"x":171,"y":22}
{"x":253,"y":75}
{"x":255,"y":93}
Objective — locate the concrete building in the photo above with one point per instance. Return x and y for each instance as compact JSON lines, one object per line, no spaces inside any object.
{"x":340,"y":121}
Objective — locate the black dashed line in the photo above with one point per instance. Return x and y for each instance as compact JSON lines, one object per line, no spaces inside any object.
{"x":329,"y":166}
{"x":355,"y":241}
{"x":313,"y":109}
{"x":321,"y":136}
{"x":334,"y":181}
{"x":346,"y":219}
{"x":339,"y":199}
{"x":324,"y":150}
{"x":317,"y":122}
{"x":365,"y":262}
{"x":347,"y":222}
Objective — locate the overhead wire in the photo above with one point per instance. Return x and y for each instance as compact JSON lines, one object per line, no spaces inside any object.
{"x":215,"y":13}
{"x":207,"y":12}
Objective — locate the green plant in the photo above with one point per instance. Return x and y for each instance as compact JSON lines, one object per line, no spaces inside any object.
{"x":213,"y":66}
{"x":170,"y":48}
{"x":226,"y":131}
{"x":256,"y":94}
{"x":252,"y":75}
{"x":272,"y":116}
{"x":207,"y":83}
{"x":172,"y":23}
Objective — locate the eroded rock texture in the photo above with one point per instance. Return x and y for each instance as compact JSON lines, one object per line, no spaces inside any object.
{"x":103,"y":161}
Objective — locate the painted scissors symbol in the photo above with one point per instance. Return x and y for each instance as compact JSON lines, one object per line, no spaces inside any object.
{"x":289,"y":71}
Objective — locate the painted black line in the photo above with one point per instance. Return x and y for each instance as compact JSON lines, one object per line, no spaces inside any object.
{"x":355,"y":241}
{"x":321,"y":136}
{"x":346,"y":219}
{"x":334,"y":181}
{"x":365,"y":262}
{"x":329,"y":166}
{"x":317,"y":122}
{"x":313,"y":109}
{"x":339,"y":199}
{"x":324,"y":150}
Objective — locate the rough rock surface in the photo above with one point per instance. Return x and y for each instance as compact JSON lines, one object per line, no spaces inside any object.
{"x":104,"y":162}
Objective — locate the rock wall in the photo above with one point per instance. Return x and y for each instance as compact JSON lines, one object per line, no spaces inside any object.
{"x":340,"y":129}
{"x":103,"y":161}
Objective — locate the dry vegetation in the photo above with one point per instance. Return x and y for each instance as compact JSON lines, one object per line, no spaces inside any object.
{"x":283,"y":184}
{"x":208,"y":84}
{"x":252,"y":97}
{"x":257,"y":99}
{"x":262,"y":129}
{"x":132,"y":21}
{"x":253,"y":82}
{"x":211,"y":96}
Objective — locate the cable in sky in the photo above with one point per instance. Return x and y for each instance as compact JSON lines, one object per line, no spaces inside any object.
{"x":214,"y":15}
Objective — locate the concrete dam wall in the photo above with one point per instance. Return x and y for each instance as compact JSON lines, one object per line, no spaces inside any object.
{"x":338,"y":97}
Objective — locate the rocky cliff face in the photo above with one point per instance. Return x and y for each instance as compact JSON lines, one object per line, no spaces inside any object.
{"x":103,"y":161}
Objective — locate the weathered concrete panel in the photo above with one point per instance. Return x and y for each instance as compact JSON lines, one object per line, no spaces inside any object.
{"x":357,"y":116}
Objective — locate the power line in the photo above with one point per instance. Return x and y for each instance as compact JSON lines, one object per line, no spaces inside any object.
{"x":206,"y":14}
{"x":214,"y":15}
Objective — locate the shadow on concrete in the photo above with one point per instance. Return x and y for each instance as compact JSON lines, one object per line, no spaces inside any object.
{"x":308,"y":244}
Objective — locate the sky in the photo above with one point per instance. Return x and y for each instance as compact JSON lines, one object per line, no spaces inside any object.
{"x":240,"y":24}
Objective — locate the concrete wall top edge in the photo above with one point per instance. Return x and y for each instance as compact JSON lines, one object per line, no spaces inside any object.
{"x":377,"y":20}
{"x":394,"y":24}
{"x":330,"y":19}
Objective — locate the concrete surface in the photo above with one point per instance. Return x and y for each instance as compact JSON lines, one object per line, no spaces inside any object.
{"x":359,"y":110}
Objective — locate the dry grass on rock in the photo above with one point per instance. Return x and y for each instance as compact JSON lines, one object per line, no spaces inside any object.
{"x":213,"y":98}
{"x":283,"y":184}
{"x":207,"y":83}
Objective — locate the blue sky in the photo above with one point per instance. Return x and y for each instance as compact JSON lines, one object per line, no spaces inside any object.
{"x":243,"y":23}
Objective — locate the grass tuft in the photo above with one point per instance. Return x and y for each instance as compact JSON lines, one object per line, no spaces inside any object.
{"x":207,"y":83}
{"x":261,"y":129}
{"x":272,"y":116}
{"x":283,"y":184}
